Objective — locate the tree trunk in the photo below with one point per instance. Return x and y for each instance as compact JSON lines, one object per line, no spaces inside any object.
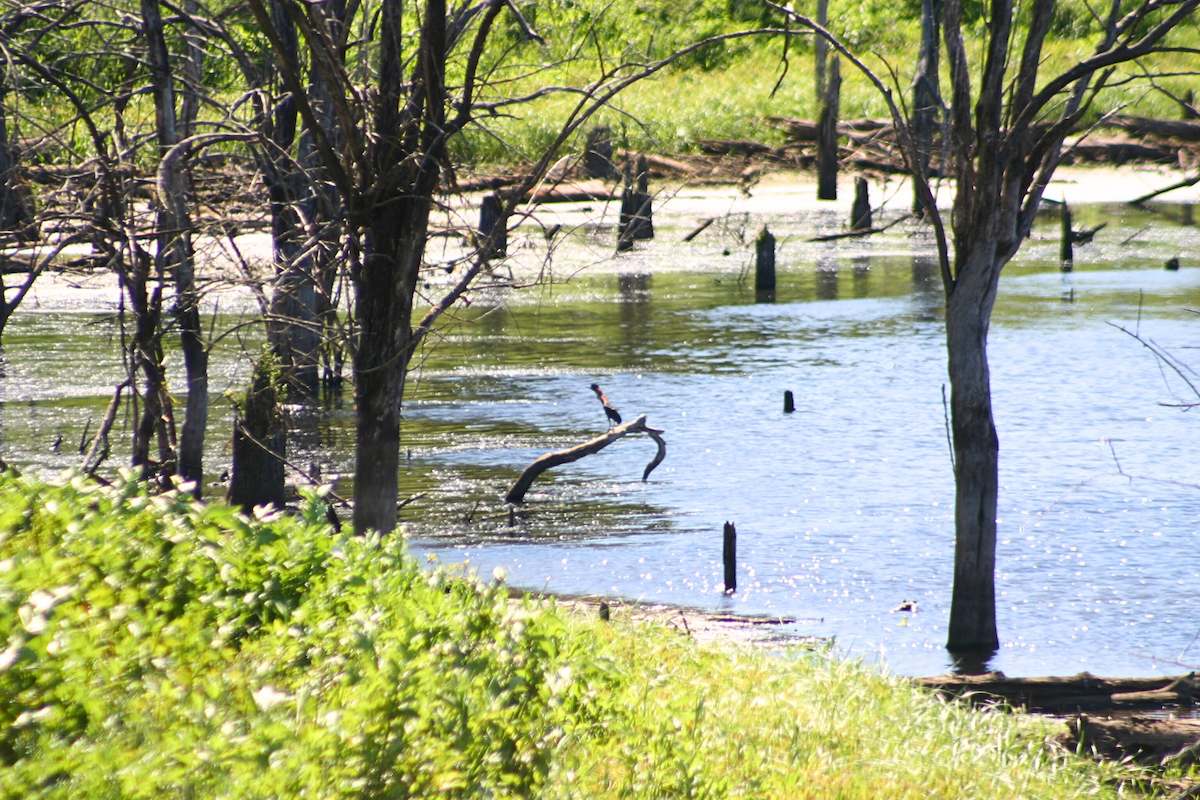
{"x":147,"y":357}
{"x":385,"y":296}
{"x":926,"y":97}
{"x":294,"y":328}
{"x":827,"y":136}
{"x":976,"y":453}
{"x":175,"y":250}
{"x":821,"y":52}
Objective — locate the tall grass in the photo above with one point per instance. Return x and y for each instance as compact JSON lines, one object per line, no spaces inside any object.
{"x":678,"y":108}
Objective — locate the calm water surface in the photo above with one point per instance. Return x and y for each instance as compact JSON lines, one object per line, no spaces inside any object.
{"x":844,"y":509}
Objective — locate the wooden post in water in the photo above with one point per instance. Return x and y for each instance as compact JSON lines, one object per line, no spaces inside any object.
{"x":860,"y":212}
{"x":789,"y":402}
{"x":827,"y":135}
{"x":729,"y":554}
{"x":1066,"y":253}
{"x":764,"y":266}
{"x":597,"y":157}
{"x":489,"y":216}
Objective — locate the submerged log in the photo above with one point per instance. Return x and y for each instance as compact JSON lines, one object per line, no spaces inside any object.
{"x":1082,"y":692}
{"x":559,"y":457}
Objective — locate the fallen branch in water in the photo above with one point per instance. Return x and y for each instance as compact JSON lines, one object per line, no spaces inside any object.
{"x":517,"y":493}
{"x":831,"y":237}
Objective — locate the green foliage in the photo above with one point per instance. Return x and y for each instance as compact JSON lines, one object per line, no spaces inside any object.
{"x":155,"y":647}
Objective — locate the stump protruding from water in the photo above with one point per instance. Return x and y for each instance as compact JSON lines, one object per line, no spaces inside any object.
{"x":492,"y":229}
{"x":637,"y":208}
{"x":789,"y":402}
{"x":764,"y":266}
{"x":827,"y":135}
{"x":729,"y":555}
{"x":860,"y":212}
{"x":259,"y":441}
{"x":598,"y":154}
{"x":1066,"y":252}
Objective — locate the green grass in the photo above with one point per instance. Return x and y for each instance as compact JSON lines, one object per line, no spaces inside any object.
{"x":155,"y":647}
{"x":674,"y":110}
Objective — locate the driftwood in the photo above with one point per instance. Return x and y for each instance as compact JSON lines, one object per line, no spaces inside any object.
{"x":658,"y":162}
{"x":1146,"y":740}
{"x":1119,"y":151}
{"x":559,"y":457}
{"x":805,"y":130}
{"x":1082,"y":692}
{"x":574,"y":192}
{"x":1169,"y":128}
{"x":1192,"y":181}
{"x":696,"y":231}
{"x":735,"y":147}
{"x":832,"y":237}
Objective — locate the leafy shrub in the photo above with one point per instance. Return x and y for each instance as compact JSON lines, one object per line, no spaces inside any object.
{"x":158,"y":647}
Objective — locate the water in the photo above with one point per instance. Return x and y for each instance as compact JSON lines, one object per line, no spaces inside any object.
{"x":844,"y":508}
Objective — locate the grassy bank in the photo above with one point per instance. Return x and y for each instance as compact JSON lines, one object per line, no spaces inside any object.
{"x":154,"y":647}
{"x":731,"y":90}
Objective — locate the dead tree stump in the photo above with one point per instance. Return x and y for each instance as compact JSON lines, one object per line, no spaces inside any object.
{"x":729,"y":556}
{"x":259,"y":442}
{"x":860,"y":212}
{"x":764,"y":266}
{"x":1066,"y":252}
{"x":637,"y":209}
{"x":598,"y":153}
{"x":827,"y":135}
{"x":493,"y":231}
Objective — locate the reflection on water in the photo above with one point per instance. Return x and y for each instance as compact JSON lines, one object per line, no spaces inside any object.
{"x":844,"y":507}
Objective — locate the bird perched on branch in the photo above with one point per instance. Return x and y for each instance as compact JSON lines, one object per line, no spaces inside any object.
{"x":609,"y":411}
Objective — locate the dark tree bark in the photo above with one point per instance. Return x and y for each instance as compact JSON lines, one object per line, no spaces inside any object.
{"x":259,"y":441}
{"x":926,"y":97}
{"x":174,"y":252}
{"x":827,"y":136}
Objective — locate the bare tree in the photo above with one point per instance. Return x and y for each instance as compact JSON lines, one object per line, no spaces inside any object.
{"x":385,"y":160}
{"x":1007,"y":126}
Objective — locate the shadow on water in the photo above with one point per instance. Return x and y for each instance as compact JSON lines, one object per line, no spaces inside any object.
{"x":971,"y":663}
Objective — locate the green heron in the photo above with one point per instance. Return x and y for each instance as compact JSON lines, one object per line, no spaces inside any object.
{"x":609,"y":411}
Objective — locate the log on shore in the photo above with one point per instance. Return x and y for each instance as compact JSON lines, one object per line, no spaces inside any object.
{"x":1168,"y":128}
{"x":734,"y":147}
{"x":658,"y":162}
{"x":1082,"y":692}
{"x":1144,"y":739}
{"x":805,"y":130}
{"x":1119,"y":152}
{"x":484,"y":183}
{"x":573,"y":192}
